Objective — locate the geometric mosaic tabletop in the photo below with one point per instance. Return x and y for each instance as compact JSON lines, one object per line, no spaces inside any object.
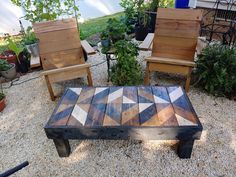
{"x":124,"y":106}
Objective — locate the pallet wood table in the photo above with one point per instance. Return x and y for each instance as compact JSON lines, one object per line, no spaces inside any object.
{"x":141,"y":113}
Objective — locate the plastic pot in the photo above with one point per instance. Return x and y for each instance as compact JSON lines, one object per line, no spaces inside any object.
{"x":2,"y":104}
{"x":10,"y":73}
{"x":9,"y":56}
{"x":105,"y":42}
{"x":141,"y":32}
{"x":23,"y":66}
{"x":33,"y":49}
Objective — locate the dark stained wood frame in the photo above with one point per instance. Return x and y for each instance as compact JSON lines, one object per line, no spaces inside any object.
{"x":185,"y":134}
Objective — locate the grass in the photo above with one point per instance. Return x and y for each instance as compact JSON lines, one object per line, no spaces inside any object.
{"x":96,"y":25}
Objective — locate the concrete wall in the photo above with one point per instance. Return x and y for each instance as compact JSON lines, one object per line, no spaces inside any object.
{"x":10,"y":14}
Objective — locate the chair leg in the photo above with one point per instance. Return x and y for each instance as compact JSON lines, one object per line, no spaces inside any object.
{"x":187,"y":84}
{"x":89,"y":77}
{"x":147,"y":75}
{"x":50,"y":88}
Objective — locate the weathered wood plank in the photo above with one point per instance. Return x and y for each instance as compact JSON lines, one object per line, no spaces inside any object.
{"x":86,"y":95}
{"x":146,"y":44}
{"x":130,"y":114}
{"x":130,"y":95}
{"x":183,"y":112}
{"x":95,"y":115}
{"x":100,"y":95}
{"x":113,"y":114}
{"x":63,"y":111}
{"x":145,"y":95}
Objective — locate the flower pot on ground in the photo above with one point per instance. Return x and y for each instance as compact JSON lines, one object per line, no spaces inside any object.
{"x":7,"y":70}
{"x":24,"y":64}
{"x":23,"y":56}
{"x":9,"y":55}
{"x":2,"y":99}
{"x":2,"y":102}
{"x":31,"y":43}
{"x":141,"y":32}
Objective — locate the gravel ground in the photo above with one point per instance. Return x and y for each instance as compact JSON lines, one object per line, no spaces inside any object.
{"x":28,"y":108}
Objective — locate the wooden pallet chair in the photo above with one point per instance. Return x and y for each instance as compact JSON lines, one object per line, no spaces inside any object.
{"x":174,"y":43}
{"x":62,"y":52}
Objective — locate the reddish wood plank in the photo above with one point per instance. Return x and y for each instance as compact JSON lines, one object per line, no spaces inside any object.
{"x":130,"y":114}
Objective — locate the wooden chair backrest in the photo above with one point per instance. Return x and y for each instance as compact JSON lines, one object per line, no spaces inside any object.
{"x":176,"y":33}
{"x":59,"y":43}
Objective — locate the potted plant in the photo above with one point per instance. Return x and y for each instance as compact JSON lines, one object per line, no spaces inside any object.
{"x":116,"y":29}
{"x":105,"y":39}
{"x":7,"y":70}
{"x":141,"y":27}
{"x":2,"y":99}
{"x":9,"y":56}
{"x":21,"y":55}
{"x":31,"y":42}
{"x":127,"y":70}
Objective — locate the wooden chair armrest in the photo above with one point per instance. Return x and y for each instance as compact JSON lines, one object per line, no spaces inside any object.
{"x":146,"y":44}
{"x":69,"y":68}
{"x":87,"y":47}
{"x":170,"y":61}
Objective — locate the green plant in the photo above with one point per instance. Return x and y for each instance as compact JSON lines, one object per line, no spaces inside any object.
{"x":116,"y":29}
{"x":37,"y":10}
{"x":104,"y":35}
{"x":216,"y":70}
{"x":17,"y":49}
{"x":127,"y":70}
{"x":4,"y":65}
{"x":29,"y":37}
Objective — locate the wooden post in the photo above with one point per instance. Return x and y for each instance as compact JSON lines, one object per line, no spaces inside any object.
{"x":147,"y":75}
{"x":187,"y":84}
{"x":185,"y":148}
{"x":50,"y":88}
{"x":63,"y":147}
{"x":89,"y":77}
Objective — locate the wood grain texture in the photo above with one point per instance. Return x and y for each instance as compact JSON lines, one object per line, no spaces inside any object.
{"x":146,"y":44}
{"x":87,"y":48}
{"x":54,"y":25}
{"x":179,"y":14}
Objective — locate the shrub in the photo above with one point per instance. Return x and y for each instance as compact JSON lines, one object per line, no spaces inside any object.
{"x":126,"y":71}
{"x":216,"y":70}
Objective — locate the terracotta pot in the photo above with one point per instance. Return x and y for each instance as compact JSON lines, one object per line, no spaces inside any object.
{"x":9,"y":56}
{"x":2,"y":104}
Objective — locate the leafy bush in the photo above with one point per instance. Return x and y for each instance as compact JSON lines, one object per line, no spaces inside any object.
{"x":216,"y":70}
{"x":29,"y":38}
{"x":126,"y":71}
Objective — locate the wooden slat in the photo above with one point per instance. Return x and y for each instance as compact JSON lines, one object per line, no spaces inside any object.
{"x":171,"y":47}
{"x":145,"y":95}
{"x":100,"y":95}
{"x":169,"y":68}
{"x":87,"y":48}
{"x":62,"y":59}
{"x":69,"y":68}
{"x":54,"y":25}
{"x":179,"y":14}
{"x":58,"y":41}
{"x":96,"y":115}
{"x":165,"y":111}
{"x":63,"y":111}
{"x":181,"y":28}
{"x":68,"y":75}
{"x":114,"y":107}
{"x":130,"y":95}
{"x":146,"y":44}
{"x":183,"y":112}
{"x":170,"y":61}
{"x":130,"y":114}
{"x":86,"y":95}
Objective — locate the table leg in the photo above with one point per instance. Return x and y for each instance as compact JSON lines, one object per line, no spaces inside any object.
{"x":62,"y":146}
{"x":108,"y":66}
{"x":185,"y":148}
